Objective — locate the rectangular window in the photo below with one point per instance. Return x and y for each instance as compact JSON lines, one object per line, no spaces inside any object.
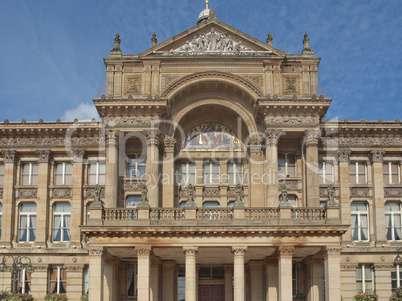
{"x":393,"y":220}
{"x":1,"y":174}
{"x":27,"y":223}
{"x":136,"y":168}
{"x":358,"y":174}
{"x":63,"y":174}
{"x":132,"y":280}
{"x":29,"y":174}
{"x":286,"y":165}
{"x":235,"y":173}
{"x":364,"y":279}
{"x":187,"y":173}
{"x":396,"y":276}
{"x":181,"y":284}
{"x":391,"y":173}
{"x":61,"y":222}
{"x":57,"y":280}
{"x":24,"y":282}
{"x":360,"y":222}
{"x":326,"y":172}
{"x":97,"y":173}
{"x":211,"y":173}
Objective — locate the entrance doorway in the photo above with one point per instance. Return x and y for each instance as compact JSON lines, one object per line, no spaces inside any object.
{"x":211,"y":293}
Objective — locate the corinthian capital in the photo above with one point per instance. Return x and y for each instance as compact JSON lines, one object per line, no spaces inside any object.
{"x":377,"y":155}
{"x":44,"y":156}
{"x":272,"y":137}
{"x":153,"y":137}
{"x":190,"y":251}
{"x":239,"y":251}
{"x":170,"y":143}
{"x":285,"y":251}
{"x":255,"y":144}
{"x":312,"y":137}
{"x":343,"y":155}
{"x":112,"y":138}
{"x":10,"y":156}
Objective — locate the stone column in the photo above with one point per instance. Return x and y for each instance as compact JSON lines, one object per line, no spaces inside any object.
{"x":168,"y":280}
{"x":344,"y":191}
{"x":256,"y":283}
{"x":332,"y":267}
{"x":382,"y":274}
{"x":77,"y":200}
{"x":239,"y":273}
{"x":155,"y":268}
{"x":109,"y":79}
{"x":191,"y":273}
{"x":155,"y":77}
{"x":271,"y":154}
{"x":96,"y":274}
{"x":257,"y":194}
{"x":108,"y":278}
{"x":311,"y":161}
{"x":118,"y":80}
{"x":168,"y":196}
{"x":271,"y":278}
{"x":378,"y":196}
{"x":9,"y":212}
{"x":269,"y":89}
{"x":315,"y":278}
{"x":42,"y":204}
{"x":144,"y":261}
{"x":112,"y":169}
{"x":285,"y":292}
{"x":39,"y":281}
{"x":74,"y":281}
{"x":153,"y":140}
{"x":277,"y":78}
{"x":228,"y":282}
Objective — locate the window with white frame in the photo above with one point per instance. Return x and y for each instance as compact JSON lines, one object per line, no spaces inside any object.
{"x":391,"y":172}
{"x":24,"y":282}
{"x":97,"y":173}
{"x":358,"y":172}
{"x":286,"y":165}
{"x":57,"y":280}
{"x":393,"y":220}
{"x":211,"y":173}
{"x":63,"y":174}
{"x":85,"y":287}
{"x":61,"y":222}
{"x":29,"y":174}
{"x":1,"y":174}
{"x":326,"y":172}
{"x":364,"y":279}
{"x":396,"y":276}
{"x":132,"y":280}
{"x":187,"y":173}
{"x":360,"y":221}
{"x":136,"y":168}
{"x":27,"y":223}
{"x":1,"y":217}
{"x":235,"y":173}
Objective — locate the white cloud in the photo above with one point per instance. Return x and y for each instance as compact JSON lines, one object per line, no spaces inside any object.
{"x":84,"y":112}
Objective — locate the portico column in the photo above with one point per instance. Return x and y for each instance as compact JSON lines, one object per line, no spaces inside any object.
{"x":332,"y":266}
{"x":271,"y":155}
{"x":228,"y":282}
{"x":168,"y":169}
{"x":256,"y":282}
{"x":239,"y":275}
{"x":96,"y":274}
{"x":144,"y":264}
{"x":155,"y":267}
{"x":311,"y":161}
{"x":315,"y":277}
{"x":169,"y":280}
{"x":112,"y":169}
{"x":191,"y":273}
{"x":153,"y":140}
{"x":285,"y":274}
{"x":256,"y":192}
{"x":271,"y":278}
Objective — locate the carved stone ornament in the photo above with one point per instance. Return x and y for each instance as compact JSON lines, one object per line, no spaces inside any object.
{"x":190,"y":251}
{"x":90,"y":193}
{"x":362,"y":141}
{"x":255,"y":145}
{"x":132,"y":84}
{"x":132,"y":185}
{"x":272,"y":137}
{"x":211,"y":192}
{"x":79,"y":153}
{"x":27,"y":193}
{"x":155,"y":261}
{"x":323,"y":193}
{"x":131,"y":121}
{"x":44,"y":156}
{"x":239,"y":251}
{"x":169,"y":144}
{"x":112,"y":138}
{"x":383,"y":267}
{"x":359,"y":192}
{"x":291,"y":120}
{"x":62,"y":193}
{"x":213,"y":43}
{"x":10,"y":156}
{"x":257,"y":80}
{"x":377,"y":155}
{"x":166,"y":80}
{"x":143,"y":251}
{"x":312,"y":137}
{"x":153,"y":137}
{"x":74,"y":268}
{"x":40,"y":268}
{"x":231,"y":192}
{"x":348,"y":267}
{"x":392,"y":192}
{"x":52,"y":141}
{"x":332,"y":251}
{"x":286,"y":251}
{"x":96,"y":251}
{"x":343,"y":155}
{"x":290,"y":184}
{"x":290,"y":85}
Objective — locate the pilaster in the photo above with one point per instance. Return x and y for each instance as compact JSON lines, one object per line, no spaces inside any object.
{"x":43,"y":202}
{"x":257,"y":194}
{"x":74,"y":281}
{"x":153,"y":141}
{"x":312,"y":180}
{"x":77,"y":200}
{"x":144,"y":261}
{"x":344,"y":190}
{"x":112,"y":169}
{"x":332,"y":267}
{"x":285,"y":273}
{"x":96,"y":273}
{"x":168,"y":197}
{"x":271,"y":154}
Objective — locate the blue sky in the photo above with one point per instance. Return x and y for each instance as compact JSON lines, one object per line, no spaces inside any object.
{"x":52,"y":51}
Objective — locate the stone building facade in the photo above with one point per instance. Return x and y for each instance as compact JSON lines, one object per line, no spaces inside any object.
{"x":212,"y":175}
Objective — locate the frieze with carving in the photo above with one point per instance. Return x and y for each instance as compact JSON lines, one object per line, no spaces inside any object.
{"x":133,"y":185}
{"x":291,"y":120}
{"x":348,"y":267}
{"x":74,"y":268}
{"x":211,"y":192}
{"x":132,"y":84}
{"x":359,"y":191}
{"x":34,"y":142}
{"x":290,"y":184}
{"x":393,"y":191}
{"x":27,"y":193}
{"x":96,"y":251}
{"x":40,"y":268}
{"x":90,"y":193}
{"x":131,"y":121}
{"x":362,"y":141}
{"x":62,"y":193}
